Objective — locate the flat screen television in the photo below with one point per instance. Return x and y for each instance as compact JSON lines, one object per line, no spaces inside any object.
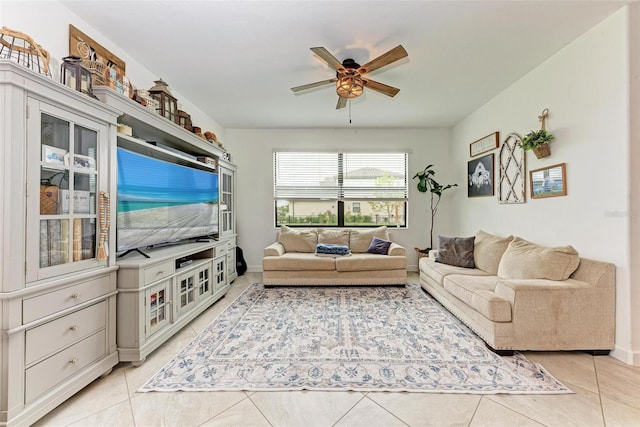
{"x":162,"y":202}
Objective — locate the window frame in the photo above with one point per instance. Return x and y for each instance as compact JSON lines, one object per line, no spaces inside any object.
{"x":340,"y":200}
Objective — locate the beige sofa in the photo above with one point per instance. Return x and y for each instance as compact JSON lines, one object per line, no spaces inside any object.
{"x":522,"y":296}
{"x":292,"y":259}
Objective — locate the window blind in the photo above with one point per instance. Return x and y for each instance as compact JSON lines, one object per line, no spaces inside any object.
{"x":340,"y":176}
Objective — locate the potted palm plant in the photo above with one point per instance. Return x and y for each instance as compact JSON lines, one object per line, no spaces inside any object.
{"x":427,"y":183}
{"x":538,"y":142}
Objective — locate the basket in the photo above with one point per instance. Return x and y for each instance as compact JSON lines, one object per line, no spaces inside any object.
{"x":49,"y":199}
{"x":21,"y":48}
{"x":421,"y":254}
{"x":97,"y":70}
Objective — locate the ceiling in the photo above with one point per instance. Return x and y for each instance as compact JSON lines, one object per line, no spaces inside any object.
{"x":237,"y":60}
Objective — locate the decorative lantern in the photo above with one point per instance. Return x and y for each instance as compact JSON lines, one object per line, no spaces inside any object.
{"x":75,"y":75}
{"x":184,"y":120}
{"x":168,"y":104}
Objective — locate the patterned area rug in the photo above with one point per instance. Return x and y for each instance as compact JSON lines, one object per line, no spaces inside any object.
{"x":345,"y":338}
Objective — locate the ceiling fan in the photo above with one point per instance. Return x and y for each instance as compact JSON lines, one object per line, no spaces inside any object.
{"x":350,"y":81}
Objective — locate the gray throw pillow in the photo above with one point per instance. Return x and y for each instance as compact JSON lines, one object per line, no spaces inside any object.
{"x":379,"y":246}
{"x":457,"y":251}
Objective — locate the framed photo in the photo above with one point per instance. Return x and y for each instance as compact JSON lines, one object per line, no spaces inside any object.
{"x":488,"y":143}
{"x":480,"y":176}
{"x":84,"y":162}
{"x":54,"y":155}
{"x":548,"y":182}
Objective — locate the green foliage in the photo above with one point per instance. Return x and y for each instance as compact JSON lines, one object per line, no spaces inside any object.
{"x":535,"y":139}
{"x":427,"y":183}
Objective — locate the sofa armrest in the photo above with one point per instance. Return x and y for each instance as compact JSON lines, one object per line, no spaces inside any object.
{"x":561,"y":310}
{"x":274,"y":249}
{"x":396,"y":250}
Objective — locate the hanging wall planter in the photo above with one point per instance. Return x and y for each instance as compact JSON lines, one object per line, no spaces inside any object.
{"x":538,"y":140}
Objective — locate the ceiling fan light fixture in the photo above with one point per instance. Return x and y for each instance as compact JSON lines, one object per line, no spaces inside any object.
{"x":350,"y":86}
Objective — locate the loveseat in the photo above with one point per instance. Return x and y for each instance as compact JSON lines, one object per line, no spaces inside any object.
{"x":293,"y":260}
{"x":517,"y":295}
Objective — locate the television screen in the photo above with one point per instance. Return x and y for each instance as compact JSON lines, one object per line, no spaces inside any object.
{"x":161,"y":202}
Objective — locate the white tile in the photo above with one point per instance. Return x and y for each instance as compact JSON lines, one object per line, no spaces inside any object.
{"x":571,"y":368}
{"x":305,"y":408}
{"x":101,"y":394}
{"x":429,"y":409}
{"x":618,"y":381}
{"x":491,"y":414}
{"x":368,"y":414}
{"x":181,"y":408}
{"x":618,"y":414}
{"x":116,"y":416}
{"x":242,"y":414}
{"x":579,"y":409}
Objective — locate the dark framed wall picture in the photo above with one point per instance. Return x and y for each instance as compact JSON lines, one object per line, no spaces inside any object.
{"x":480,"y":176}
{"x":548,"y":182}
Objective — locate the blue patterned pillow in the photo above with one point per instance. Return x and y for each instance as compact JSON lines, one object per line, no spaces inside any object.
{"x":379,"y":246}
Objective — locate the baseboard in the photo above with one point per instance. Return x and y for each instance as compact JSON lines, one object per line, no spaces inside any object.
{"x":254,"y":269}
{"x":626,"y":356}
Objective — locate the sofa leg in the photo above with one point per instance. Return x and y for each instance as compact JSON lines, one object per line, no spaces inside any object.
{"x":500,"y":352}
{"x":598,"y":352}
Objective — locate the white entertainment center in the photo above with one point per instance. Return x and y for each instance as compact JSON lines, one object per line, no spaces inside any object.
{"x":67,"y":315}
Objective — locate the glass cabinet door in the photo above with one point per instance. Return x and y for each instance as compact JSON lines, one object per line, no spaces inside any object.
{"x":67,"y":149}
{"x":227,"y":207}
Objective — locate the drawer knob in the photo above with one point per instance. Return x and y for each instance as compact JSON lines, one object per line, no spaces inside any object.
{"x":75,"y":296}
{"x":74,"y":328}
{"x":73,"y":361}
{"x":169,"y":302}
{"x":160,"y":272}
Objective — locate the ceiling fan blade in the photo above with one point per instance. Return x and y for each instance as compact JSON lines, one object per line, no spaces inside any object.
{"x":385,"y":59}
{"x":312,"y":85}
{"x":342,"y":102}
{"x":381,"y":87}
{"x":328,"y":58}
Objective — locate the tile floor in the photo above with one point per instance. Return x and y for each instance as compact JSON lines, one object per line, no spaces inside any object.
{"x":607,"y":393}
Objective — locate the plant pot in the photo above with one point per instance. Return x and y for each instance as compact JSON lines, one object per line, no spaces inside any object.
{"x":542,"y":151}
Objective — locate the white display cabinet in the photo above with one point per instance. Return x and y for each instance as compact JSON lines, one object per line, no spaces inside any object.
{"x":57,"y":297}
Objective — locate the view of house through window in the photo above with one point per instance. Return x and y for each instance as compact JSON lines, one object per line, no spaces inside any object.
{"x":340,"y":189}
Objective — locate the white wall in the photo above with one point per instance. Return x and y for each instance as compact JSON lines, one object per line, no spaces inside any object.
{"x":253,"y":153}
{"x":47,"y":22}
{"x":586,"y":89}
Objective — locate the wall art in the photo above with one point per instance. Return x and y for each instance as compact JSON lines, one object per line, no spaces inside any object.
{"x":511,"y":181}
{"x":548,"y":182}
{"x":480,"y":176}
{"x":488,"y":143}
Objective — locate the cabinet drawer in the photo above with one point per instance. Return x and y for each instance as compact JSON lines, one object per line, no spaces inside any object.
{"x":158,"y":271}
{"x":52,"y":302}
{"x":60,"y":333}
{"x":46,"y":374}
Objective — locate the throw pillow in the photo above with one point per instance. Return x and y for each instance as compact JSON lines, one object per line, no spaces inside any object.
{"x":298,"y":240}
{"x":360,"y":239}
{"x":488,"y":250}
{"x":457,"y":251}
{"x":333,"y":237}
{"x":379,"y":246}
{"x":526,"y":260}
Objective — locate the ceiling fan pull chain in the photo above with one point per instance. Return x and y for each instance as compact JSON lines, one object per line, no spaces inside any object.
{"x":349,"y":100}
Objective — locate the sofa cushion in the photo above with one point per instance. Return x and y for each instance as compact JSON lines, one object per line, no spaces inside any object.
{"x":488,"y":250}
{"x":437,"y":271}
{"x":527,"y":260}
{"x":304,"y":241}
{"x":479,"y":294}
{"x":360,"y":239}
{"x":333,"y":237}
{"x":379,"y":246}
{"x":457,"y":251}
{"x":295,"y":261}
{"x":369,"y":262}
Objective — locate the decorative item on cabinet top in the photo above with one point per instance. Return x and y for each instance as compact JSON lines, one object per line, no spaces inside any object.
{"x":22,"y":49}
{"x":168,"y":103}
{"x":75,"y":75}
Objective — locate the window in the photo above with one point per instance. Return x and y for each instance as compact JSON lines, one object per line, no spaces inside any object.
{"x":340,"y":189}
